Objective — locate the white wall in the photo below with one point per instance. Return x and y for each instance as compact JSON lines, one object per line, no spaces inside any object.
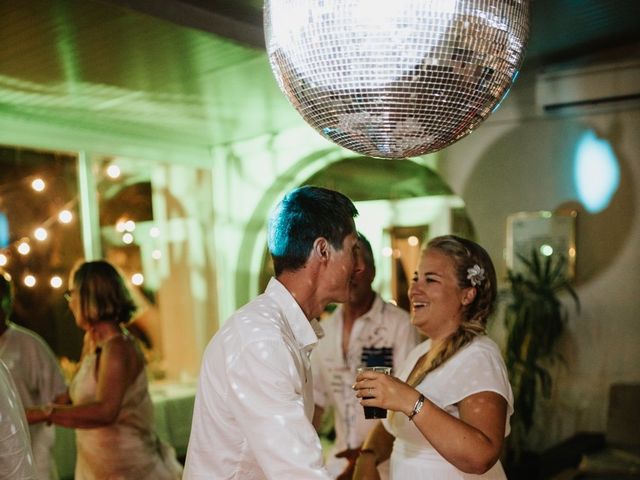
{"x":520,"y":160}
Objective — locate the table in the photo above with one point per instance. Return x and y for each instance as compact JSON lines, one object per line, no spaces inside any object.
{"x":173,"y":409}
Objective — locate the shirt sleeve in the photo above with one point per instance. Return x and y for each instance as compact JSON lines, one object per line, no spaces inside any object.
{"x":477,"y":370}
{"x":266,"y":399}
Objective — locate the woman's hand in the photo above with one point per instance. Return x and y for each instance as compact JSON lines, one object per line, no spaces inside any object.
{"x":384,"y":391}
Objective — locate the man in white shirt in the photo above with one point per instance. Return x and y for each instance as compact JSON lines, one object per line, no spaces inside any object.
{"x":365,"y":330}
{"x":254,"y":405}
{"x":36,"y":374}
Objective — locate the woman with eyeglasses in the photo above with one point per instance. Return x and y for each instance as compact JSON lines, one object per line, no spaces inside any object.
{"x":109,"y":401}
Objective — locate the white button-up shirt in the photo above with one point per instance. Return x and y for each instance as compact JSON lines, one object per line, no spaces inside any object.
{"x":254,"y":405}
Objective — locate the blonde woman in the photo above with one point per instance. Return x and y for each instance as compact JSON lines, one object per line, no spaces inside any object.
{"x":451,"y":403}
{"x":109,"y":397}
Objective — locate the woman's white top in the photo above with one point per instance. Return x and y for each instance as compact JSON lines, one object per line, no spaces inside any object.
{"x":477,"y":367}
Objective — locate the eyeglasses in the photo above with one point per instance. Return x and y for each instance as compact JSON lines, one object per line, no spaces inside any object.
{"x":67,"y":295}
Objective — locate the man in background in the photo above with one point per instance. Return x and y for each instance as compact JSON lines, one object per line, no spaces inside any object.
{"x":254,"y":405}
{"x":36,"y":374}
{"x":365,"y":330}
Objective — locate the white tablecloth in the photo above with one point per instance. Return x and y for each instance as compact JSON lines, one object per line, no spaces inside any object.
{"x":173,"y":409}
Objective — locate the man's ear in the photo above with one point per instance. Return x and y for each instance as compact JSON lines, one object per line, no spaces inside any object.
{"x":321,"y":248}
{"x":469,"y":295}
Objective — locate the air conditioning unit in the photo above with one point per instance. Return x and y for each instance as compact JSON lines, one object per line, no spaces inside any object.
{"x":593,"y":88}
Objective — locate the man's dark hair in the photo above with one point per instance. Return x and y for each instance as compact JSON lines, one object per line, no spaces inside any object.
{"x":302,"y":216}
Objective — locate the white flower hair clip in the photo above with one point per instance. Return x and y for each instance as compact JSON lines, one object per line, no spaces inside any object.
{"x":475,"y":275}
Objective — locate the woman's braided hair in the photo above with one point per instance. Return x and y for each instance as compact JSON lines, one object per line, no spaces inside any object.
{"x":465,"y":254}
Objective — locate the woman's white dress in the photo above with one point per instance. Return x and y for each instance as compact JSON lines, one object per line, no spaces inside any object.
{"x":129,"y":449}
{"x":477,"y":367}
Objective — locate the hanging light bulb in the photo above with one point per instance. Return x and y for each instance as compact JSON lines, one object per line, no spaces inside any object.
{"x":29,"y":281}
{"x":24,"y":248}
{"x":156,"y":254}
{"x":55,"y":282}
{"x":40,"y":234}
{"x":3,"y":260}
{"x":113,"y":171}
{"x":127,"y":238}
{"x":65,"y":216}
{"x":154,"y":232}
{"x":38,"y":185}
{"x":137,"y":279}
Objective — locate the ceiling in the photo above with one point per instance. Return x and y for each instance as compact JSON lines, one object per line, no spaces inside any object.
{"x":195,"y":71}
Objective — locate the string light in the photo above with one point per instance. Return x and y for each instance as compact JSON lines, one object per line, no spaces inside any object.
{"x":38,"y":185}
{"x":41,"y":234}
{"x":24,"y":248}
{"x":65,"y":216}
{"x":113,"y":171}
{"x":413,"y":241}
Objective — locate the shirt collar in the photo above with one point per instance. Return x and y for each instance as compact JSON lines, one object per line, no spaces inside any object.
{"x":306,"y":332}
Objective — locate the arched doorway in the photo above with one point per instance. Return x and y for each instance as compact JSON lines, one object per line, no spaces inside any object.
{"x":402,"y":203}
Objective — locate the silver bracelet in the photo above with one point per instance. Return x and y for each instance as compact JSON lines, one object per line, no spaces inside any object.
{"x":417,"y":407}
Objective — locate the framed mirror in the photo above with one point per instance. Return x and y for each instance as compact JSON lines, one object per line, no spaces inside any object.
{"x":548,"y":233}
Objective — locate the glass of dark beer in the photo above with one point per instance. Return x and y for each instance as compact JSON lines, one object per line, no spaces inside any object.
{"x":374,"y":412}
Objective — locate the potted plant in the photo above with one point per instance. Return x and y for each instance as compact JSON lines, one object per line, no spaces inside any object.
{"x":535,"y":318}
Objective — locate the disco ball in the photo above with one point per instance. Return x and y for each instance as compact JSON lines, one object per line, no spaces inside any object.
{"x":395,"y":78}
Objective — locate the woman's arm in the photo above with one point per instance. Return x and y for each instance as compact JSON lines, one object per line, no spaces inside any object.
{"x":118,"y":367}
{"x":375,"y":450}
{"x":471,"y":443}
